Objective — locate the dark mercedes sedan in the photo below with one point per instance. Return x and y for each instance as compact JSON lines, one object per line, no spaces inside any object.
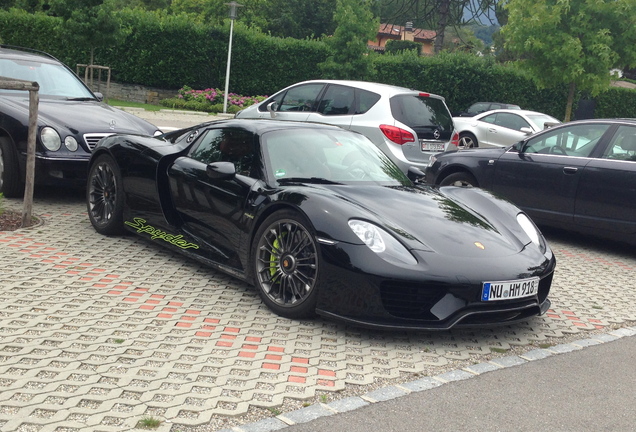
{"x":71,"y":120}
{"x":579,"y":176}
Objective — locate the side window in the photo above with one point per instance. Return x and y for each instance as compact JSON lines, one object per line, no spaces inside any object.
{"x":511,"y":121}
{"x":337,"y":100}
{"x":300,"y":98}
{"x":478,"y":108}
{"x":623,"y":145}
{"x":226,"y":145}
{"x":577,"y":140}
{"x":492,"y":118}
{"x":365,"y":100}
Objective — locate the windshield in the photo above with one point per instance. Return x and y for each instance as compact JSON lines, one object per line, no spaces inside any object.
{"x":315,"y":155}
{"x":54,"y":79}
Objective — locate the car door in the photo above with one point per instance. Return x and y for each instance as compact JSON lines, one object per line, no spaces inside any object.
{"x":606,"y":197}
{"x":212,"y":210}
{"x":543,"y":176}
{"x":336,"y":106}
{"x":297,"y":103}
{"x":503,"y":129}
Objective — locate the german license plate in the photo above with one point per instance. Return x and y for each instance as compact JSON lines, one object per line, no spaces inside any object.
{"x":510,"y":290}
{"x":432,"y":146}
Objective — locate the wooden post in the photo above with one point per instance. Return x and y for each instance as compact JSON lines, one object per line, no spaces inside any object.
{"x":33,"y":88}
{"x":27,"y":212}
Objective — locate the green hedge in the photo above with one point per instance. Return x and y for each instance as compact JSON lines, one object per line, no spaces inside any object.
{"x":616,"y":103}
{"x":168,"y":51}
{"x":464,"y":79}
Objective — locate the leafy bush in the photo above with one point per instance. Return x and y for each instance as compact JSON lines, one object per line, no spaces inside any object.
{"x":209,"y":100}
{"x":395,"y":46}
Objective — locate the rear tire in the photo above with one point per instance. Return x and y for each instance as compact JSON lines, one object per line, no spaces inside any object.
{"x":10,"y":184}
{"x":462,"y":179}
{"x":467,"y":140}
{"x":105,"y":196}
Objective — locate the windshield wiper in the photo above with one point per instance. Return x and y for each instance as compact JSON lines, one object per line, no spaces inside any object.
{"x":80,"y":99}
{"x":315,"y":180}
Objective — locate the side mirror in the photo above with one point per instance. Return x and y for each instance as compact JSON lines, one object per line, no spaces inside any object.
{"x":271,"y":107}
{"x":221,"y":170}
{"x":99,"y":96}
{"x":526,"y":130}
{"x":415,"y":174}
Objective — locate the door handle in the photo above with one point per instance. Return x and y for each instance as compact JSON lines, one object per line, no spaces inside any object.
{"x":570,"y":170}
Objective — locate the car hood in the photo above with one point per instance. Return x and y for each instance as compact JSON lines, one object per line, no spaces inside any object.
{"x":82,"y":116}
{"x":451,"y":221}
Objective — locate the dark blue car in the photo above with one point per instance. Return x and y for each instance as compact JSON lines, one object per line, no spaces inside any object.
{"x":579,"y":176}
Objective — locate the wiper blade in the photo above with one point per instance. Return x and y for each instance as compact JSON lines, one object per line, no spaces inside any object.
{"x":315,"y":180}
{"x":80,"y":99}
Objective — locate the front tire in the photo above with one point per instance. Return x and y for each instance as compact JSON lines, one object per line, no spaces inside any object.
{"x":286,"y":265}
{"x":462,"y":179}
{"x":105,"y":197}
{"x":10,"y":184}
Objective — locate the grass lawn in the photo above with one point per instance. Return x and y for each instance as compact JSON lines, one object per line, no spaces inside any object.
{"x":121,"y":103}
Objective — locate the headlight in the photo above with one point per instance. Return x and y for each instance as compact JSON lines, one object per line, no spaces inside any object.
{"x":532,"y":231}
{"x":50,"y":139}
{"x":71,"y":143}
{"x":432,"y":160}
{"x":381,"y":242}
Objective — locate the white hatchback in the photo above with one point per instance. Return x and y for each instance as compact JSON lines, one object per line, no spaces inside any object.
{"x":408,"y":125}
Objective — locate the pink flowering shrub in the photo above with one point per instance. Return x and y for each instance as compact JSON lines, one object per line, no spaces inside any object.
{"x":210,"y":100}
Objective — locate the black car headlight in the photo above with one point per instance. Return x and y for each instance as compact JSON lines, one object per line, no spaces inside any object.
{"x":50,"y":139}
{"x":532,"y":231}
{"x":381,"y":242}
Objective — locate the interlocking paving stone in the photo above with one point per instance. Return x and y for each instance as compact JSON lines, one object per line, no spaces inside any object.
{"x":98,"y":332}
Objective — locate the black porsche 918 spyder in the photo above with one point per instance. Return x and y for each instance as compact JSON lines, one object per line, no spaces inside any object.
{"x":321,"y":221}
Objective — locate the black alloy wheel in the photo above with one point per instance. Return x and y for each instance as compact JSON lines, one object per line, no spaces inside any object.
{"x":10,"y":184}
{"x":286,"y":265}
{"x":104,"y":197}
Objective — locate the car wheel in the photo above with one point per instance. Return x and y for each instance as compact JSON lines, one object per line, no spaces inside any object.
{"x":462,"y":179}
{"x":10,"y":184}
{"x":104,"y":197}
{"x":467,"y":140}
{"x":286,"y":265}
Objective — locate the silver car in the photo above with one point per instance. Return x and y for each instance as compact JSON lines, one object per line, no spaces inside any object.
{"x":500,"y":128}
{"x":408,"y":125}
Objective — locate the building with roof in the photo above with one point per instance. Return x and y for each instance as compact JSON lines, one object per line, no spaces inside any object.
{"x":389,"y":32}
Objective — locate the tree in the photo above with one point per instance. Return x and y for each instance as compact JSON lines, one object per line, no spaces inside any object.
{"x":573,"y":42}
{"x":355,"y":27}
{"x":435,"y":14}
{"x":299,"y":19}
{"x":206,"y":11}
{"x":91,"y":23}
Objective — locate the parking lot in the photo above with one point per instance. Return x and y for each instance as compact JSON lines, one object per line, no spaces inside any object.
{"x":98,"y":332}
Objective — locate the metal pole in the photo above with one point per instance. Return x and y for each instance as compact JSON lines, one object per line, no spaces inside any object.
{"x":227,"y":71}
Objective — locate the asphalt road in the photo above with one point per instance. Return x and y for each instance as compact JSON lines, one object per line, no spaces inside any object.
{"x":591,"y":389}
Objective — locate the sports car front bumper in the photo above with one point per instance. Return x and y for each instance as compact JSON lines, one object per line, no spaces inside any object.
{"x":439,"y":293}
